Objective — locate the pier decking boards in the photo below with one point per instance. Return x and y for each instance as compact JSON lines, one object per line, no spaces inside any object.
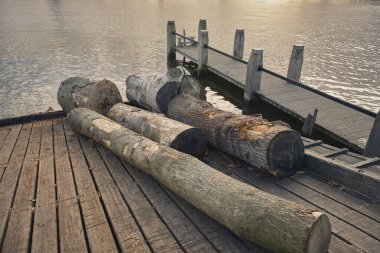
{"x":60,"y":191}
{"x":346,"y":125}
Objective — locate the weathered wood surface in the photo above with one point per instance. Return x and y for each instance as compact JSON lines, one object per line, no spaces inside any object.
{"x":372,"y":148}
{"x":161,"y":129}
{"x":77,"y":92}
{"x":252,"y":139}
{"x":251,"y":214}
{"x":142,"y":198}
{"x":300,"y":103}
{"x":153,"y":92}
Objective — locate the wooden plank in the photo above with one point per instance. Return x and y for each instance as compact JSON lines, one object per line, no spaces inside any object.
{"x":8,"y":184}
{"x":187,"y":234}
{"x":264,"y":183}
{"x":4,"y":131}
{"x":222,"y":239}
{"x":336,"y":152}
{"x":154,"y":229}
{"x":20,"y":224}
{"x":99,"y":234}
{"x":45,"y":236}
{"x":313,"y":143}
{"x":72,"y":237}
{"x":359,"y":205}
{"x":7,"y":148}
{"x":364,"y":182}
{"x":127,"y":233}
{"x":367,"y":162}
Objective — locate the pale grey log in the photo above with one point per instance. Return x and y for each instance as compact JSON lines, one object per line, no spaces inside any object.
{"x":201,"y":26}
{"x":308,"y":124}
{"x":160,"y":129}
{"x":239,"y":43}
{"x":202,"y":53}
{"x":153,"y":92}
{"x":256,"y":216}
{"x":253,"y":76}
{"x":295,"y":63}
{"x":372,"y":148}
{"x":270,"y":146}
{"x":171,"y":40}
{"x":77,"y":92}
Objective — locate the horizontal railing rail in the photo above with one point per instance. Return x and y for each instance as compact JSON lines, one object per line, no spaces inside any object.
{"x":306,"y":87}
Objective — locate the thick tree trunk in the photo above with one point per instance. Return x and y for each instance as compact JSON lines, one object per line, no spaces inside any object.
{"x":153,"y":92}
{"x":77,"y":92}
{"x":271,"y":146}
{"x":161,"y":129}
{"x":261,"y":218}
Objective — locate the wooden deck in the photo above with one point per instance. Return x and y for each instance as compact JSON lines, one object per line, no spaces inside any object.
{"x":348,"y":126}
{"x":60,"y":192}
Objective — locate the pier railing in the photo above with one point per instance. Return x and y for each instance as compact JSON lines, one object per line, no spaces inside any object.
{"x":255,"y":68}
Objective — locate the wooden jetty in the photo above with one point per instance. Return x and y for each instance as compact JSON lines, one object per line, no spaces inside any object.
{"x":344,"y":122}
{"x":61,"y":192}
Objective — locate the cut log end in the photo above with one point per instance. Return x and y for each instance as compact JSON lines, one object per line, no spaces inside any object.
{"x":320,"y":234}
{"x":104,"y":95}
{"x":191,"y":141}
{"x":285,"y":153}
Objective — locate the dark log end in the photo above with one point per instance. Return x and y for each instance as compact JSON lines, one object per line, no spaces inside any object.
{"x":285,"y":153}
{"x":191,"y":141}
{"x":165,"y":94}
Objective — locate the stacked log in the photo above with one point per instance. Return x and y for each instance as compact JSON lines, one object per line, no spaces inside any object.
{"x":160,"y":129}
{"x":271,"y":146}
{"x":77,"y":92}
{"x":153,"y":92}
{"x":261,"y":218}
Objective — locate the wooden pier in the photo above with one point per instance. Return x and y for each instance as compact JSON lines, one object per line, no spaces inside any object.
{"x":61,"y":192}
{"x":346,"y":123}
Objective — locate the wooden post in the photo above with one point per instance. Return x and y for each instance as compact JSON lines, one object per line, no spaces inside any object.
{"x":201,"y":26}
{"x":308,"y":124}
{"x":295,"y":63}
{"x":253,"y":76}
{"x":202,"y":52}
{"x":372,"y":148}
{"x":239,"y":43}
{"x":171,"y":40}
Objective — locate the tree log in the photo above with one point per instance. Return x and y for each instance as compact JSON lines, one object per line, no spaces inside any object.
{"x":153,"y":92}
{"x":271,"y":146}
{"x":261,"y":218}
{"x":161,"y":129}
{"x":77,"y":92}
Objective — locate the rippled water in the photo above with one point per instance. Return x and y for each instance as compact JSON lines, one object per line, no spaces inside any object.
{"x":42,"y":42}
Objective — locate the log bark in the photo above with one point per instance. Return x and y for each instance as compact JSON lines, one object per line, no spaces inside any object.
{"x":270,"y":146}
{"x":261,"y":218}
{"x":77,"y":92}
{"x":160,"y":129}
{"x":153,"y":92}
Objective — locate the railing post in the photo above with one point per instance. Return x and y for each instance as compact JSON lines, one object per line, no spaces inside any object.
{"x":202,"y":52}
{"x":239,"y":43}
{"x":201,"y":26}
{"x":372,"y":148}
{"x":171,"y":40}
{"x":295,"y":63}
{"x":253,"y":76}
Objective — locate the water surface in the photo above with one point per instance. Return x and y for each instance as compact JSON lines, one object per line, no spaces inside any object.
{"x":43,"y":42}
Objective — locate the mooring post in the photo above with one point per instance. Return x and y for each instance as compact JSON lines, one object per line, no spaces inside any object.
{"x":202,"y":53}
{"x":308,"y":124}
{"x":253,"y":76}
{"x":239,"y":43}
{"x":295,"y":63}
{"x":171,"y":40}
{"x":201,"y":26}
{"x":372,"y":148}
